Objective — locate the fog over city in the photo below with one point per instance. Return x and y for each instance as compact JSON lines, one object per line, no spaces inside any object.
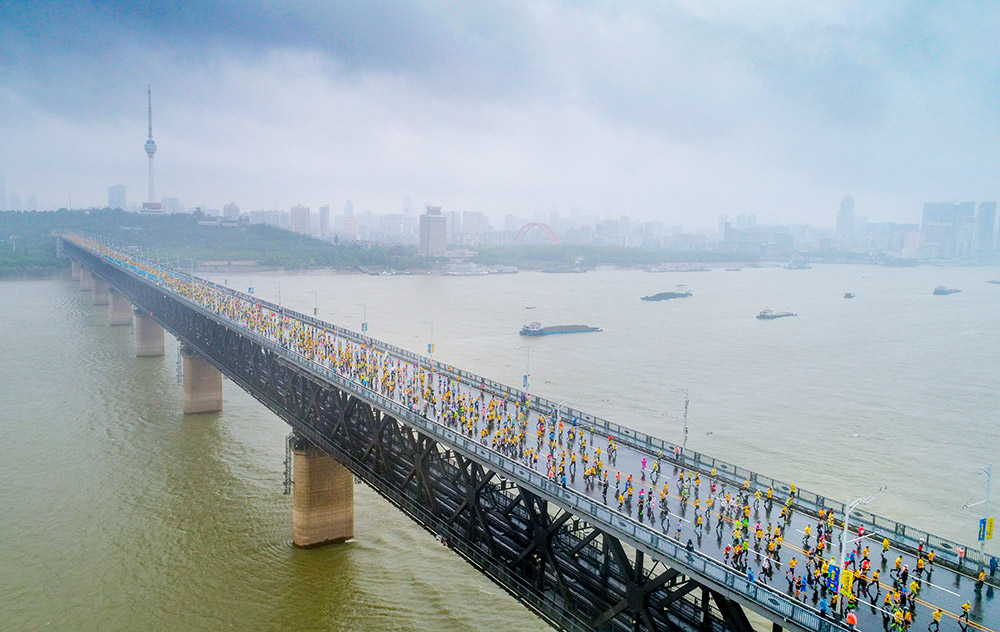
{"x":676,"y":111}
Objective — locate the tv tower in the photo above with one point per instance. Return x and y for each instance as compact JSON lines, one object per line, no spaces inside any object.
{"x":150,"y":143}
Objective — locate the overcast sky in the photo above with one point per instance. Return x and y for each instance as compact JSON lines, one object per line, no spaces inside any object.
{"x":674,"y":110}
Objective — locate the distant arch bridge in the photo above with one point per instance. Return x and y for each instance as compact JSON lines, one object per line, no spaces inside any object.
{"x":546,"y":230}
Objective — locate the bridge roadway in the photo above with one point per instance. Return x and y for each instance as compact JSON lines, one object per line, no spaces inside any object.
{"x":530,"y":431}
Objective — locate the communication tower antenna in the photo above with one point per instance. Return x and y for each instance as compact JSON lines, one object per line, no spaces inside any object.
{"x":150,"y":143}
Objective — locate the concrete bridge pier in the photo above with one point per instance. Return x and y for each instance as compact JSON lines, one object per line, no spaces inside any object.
{"x":100,"y":288}
{"x":121,"y":310}
{"x":202,"y":384}
{"x":148,"y":336}
{"x":74,"y":270}
{"x":86,"y":279}
{"x":323,"y":497}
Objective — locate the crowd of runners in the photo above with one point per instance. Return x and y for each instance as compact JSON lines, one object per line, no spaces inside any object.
{"x":752,"y":528}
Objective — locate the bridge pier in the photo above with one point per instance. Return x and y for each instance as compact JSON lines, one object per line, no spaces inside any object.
{"x":148,"y":336}
{"x":74,"y":270}
{"x":121,"y":310}
{"x":323,"y":497}
{"x":86,"y":279}
{"x":202,"y":384}
{"x":100,"y":288}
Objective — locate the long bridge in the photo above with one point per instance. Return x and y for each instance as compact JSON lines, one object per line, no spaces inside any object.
{"x":521,"y":488}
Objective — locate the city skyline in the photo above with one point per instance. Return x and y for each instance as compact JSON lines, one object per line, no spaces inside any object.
{"x":475,"y":109}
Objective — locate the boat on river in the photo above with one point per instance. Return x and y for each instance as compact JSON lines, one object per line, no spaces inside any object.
{"x":766,"y":314}
{"x":942,"y":290}
{"x":536,"y":329}
{"x":682,"y":292}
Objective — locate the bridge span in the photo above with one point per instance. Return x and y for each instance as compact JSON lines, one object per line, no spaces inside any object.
{"x":592,"y":525}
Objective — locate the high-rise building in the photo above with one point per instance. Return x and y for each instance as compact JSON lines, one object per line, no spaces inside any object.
{"x":473,"y":223}
{"x":15,"y":202}
{"x":407,"y":206}
{"x":231,"y":210}
{"x":324,"y":222}
{"x":116,"y":197}
{"x":723,"y":225}
{"x":433,"y":231}
{"x":275,"y":218}
{"x":391,"y":227}
{"x":949,"y":228}
{"x":348,"y":208}
{"x":31,"y":202}
{"x":986,"y":228}
{"x":171,"y":205}
{"x":845,"y":221}
{"x":351,"y":225}
{"x":3,"y":194}
{"x":150,"y":143}
{"x":453,"y":222}
{"x":300,"y":219}
{"x":746,"y":222}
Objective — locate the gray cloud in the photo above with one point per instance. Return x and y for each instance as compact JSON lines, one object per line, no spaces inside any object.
{"x":676,"y":110}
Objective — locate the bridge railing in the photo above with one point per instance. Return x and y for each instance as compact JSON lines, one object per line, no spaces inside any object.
{"x":947,"y":551}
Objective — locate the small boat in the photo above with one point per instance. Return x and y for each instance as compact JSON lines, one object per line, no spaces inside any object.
{"x":766,"y":314}
{"x":536,"y":329}
{"x":529,"y":307}
{"x":682,"y":292}
{"x":798,"y":265}
{"x":942,"y":290}
{"x":849,"y":295}
{"x":994,"y":281}
{"x":732,"y":269}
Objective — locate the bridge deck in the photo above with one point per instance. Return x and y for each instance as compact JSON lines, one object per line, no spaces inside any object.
{"x":591,"y":464}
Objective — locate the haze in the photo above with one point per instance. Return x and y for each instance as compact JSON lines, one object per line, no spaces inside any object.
{"x":676,"y":111}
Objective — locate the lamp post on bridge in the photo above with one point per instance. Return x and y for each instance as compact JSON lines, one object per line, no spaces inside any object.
{"x":315,"y":294}
{"x":985,"y":529}
{"x":843,"y":538}
{"x":364,"y":316}
{"x":560,"y":405}
{"x":430,"y":346}
{"x":526,"y":383}
{"x":687,"y":401}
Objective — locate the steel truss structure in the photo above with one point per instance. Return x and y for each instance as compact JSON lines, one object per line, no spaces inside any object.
{"x":572,"y":574}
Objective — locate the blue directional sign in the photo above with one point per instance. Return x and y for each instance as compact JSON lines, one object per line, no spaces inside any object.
{"x":833,"y":580}
{"x":985,"y":529}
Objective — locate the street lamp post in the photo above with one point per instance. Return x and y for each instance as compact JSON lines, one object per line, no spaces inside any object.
{"x":988,"y":471}
{"x":430,"y":347}
{"x":686,"y":402}
{"x":560,"y":405}
{"x":527,"y":369}
{"x":847,"y":517}
{"x":315,"y":294}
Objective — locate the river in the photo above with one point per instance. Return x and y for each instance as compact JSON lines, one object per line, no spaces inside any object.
{"x":121,"y":513}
